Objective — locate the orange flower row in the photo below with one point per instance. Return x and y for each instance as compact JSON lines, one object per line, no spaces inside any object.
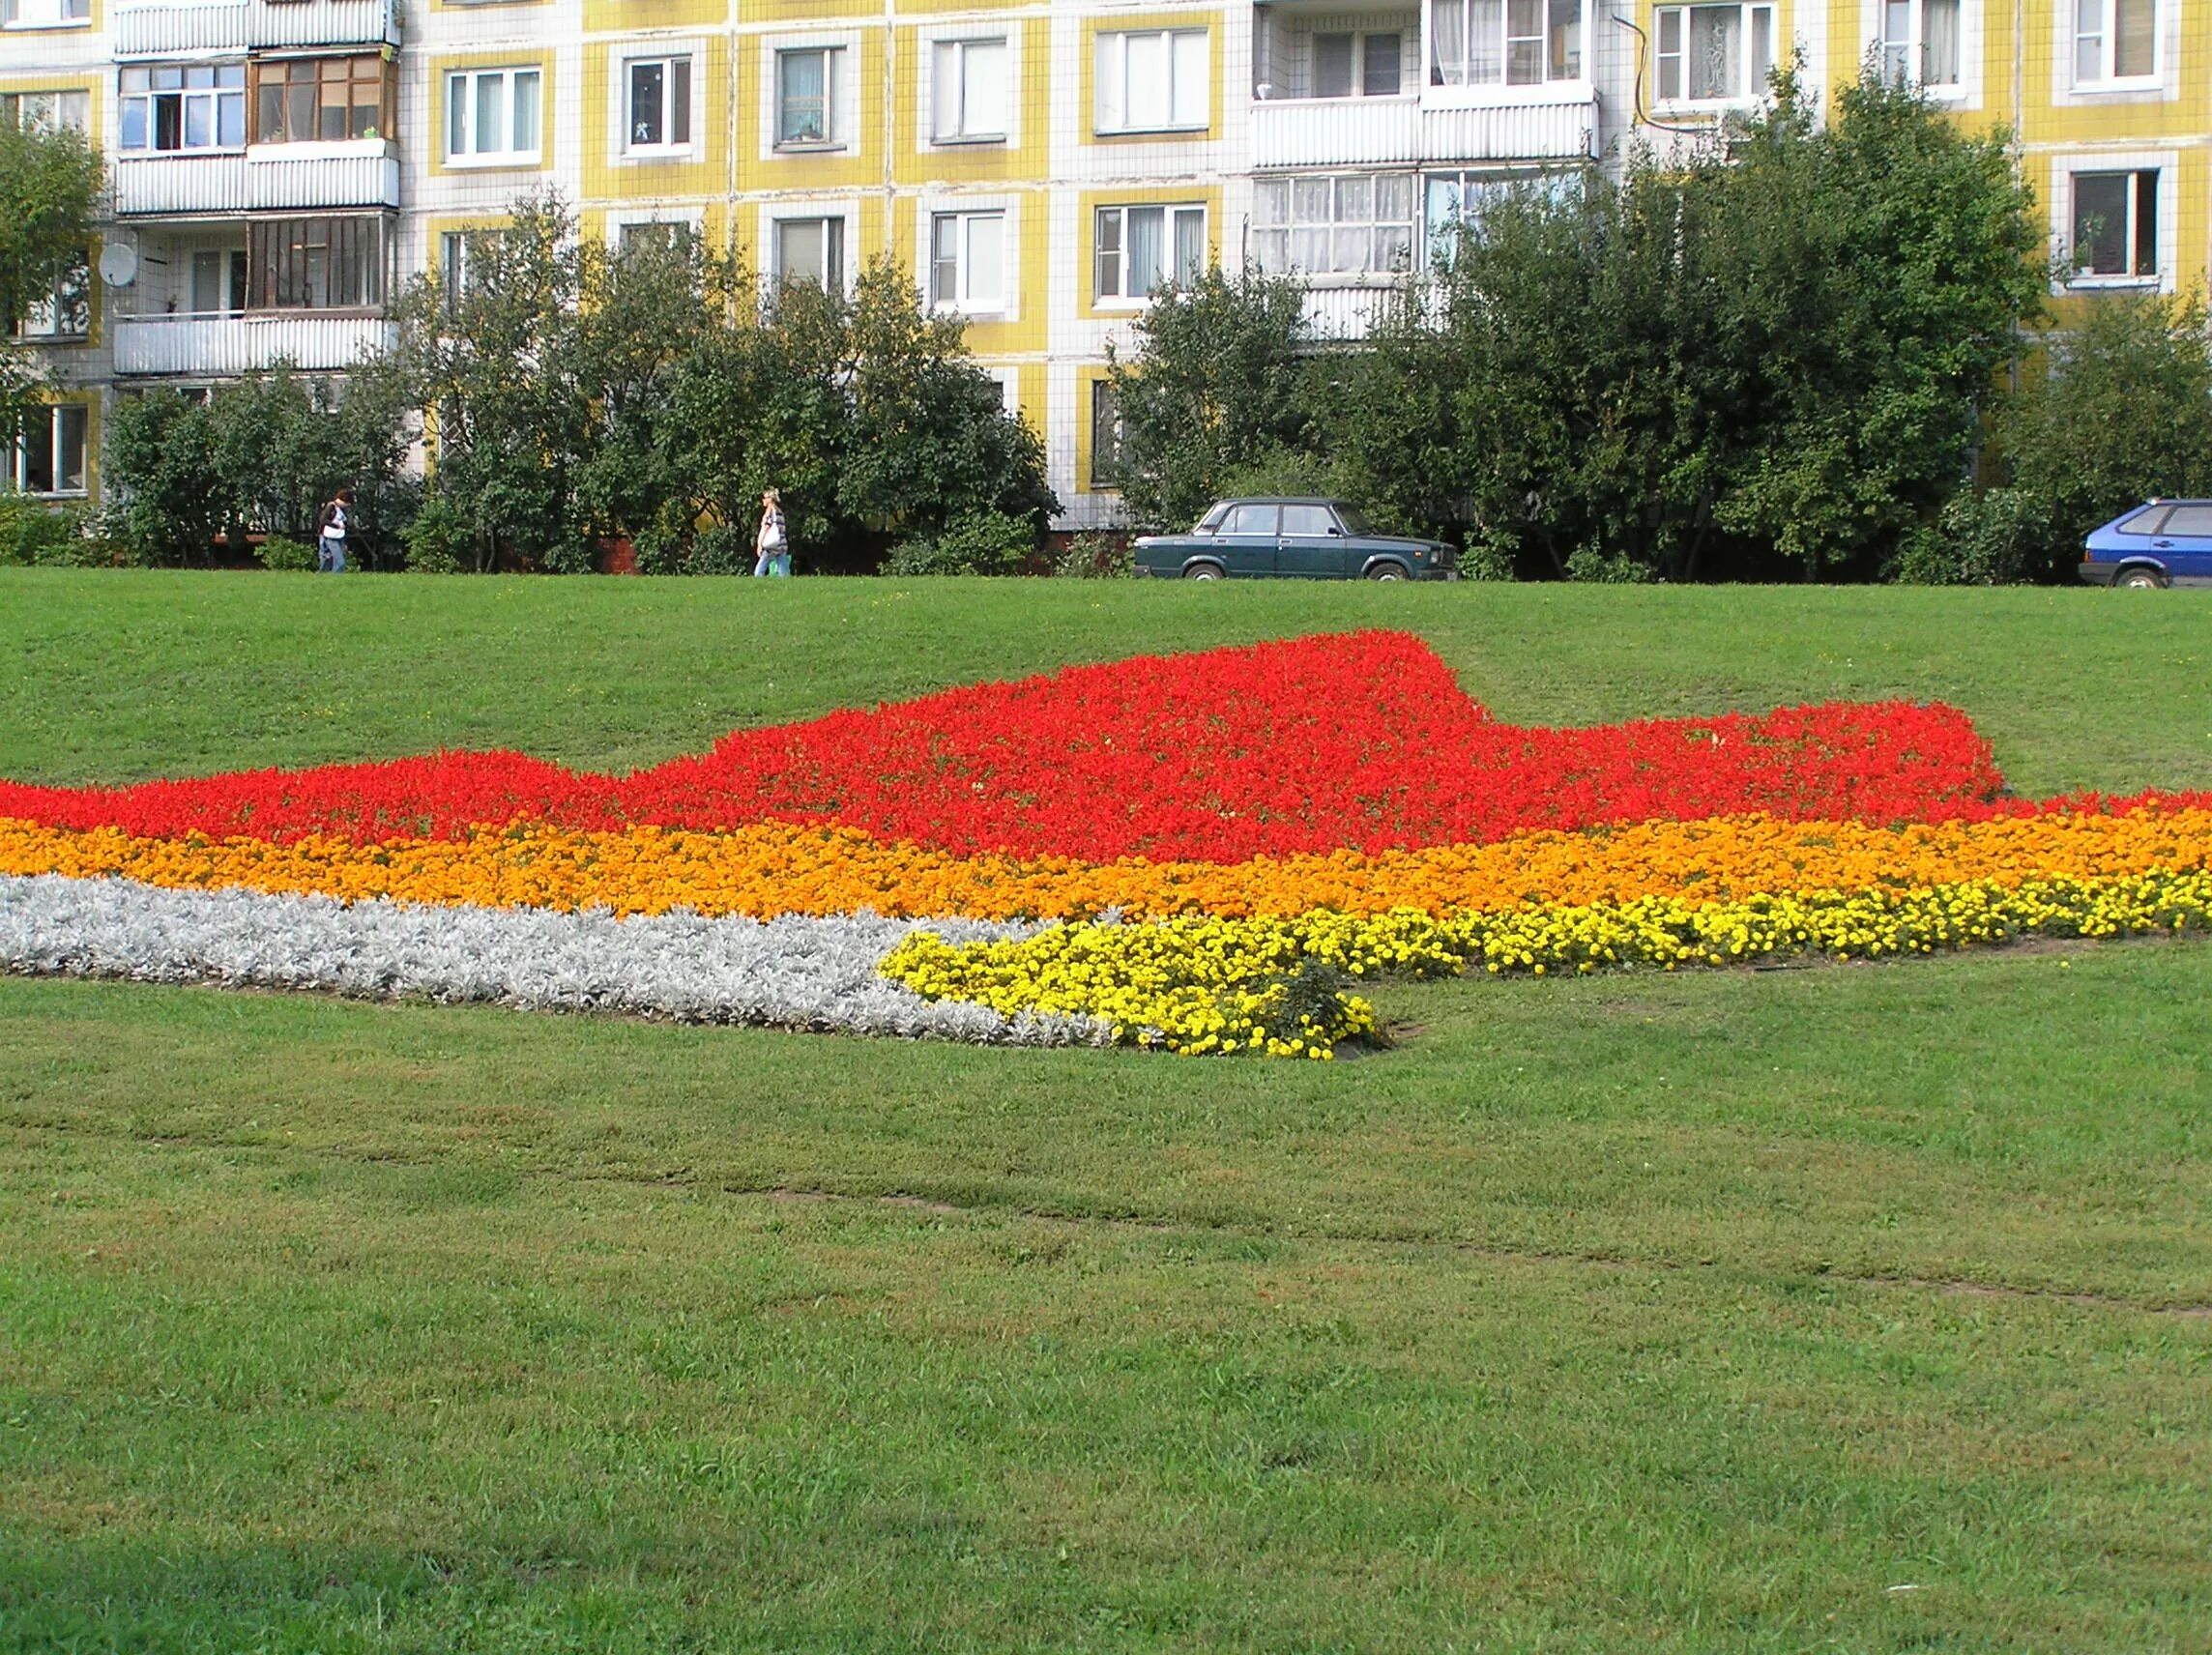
{"x":776,"y":868}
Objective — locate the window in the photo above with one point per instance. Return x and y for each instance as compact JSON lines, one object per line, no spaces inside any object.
{"x":182,"y":106}
{"x":1310,"y":521}
{"x":492,"y":115}
{"x":2115,"y":224}
{"x":665,"y":234}
{"x":657,"y":100}
{"x":65,"y":311}
{"x":968,"y":92}
{"x":1137,"y":251}
{"x":1153,"y":82}
{"x":459,"y":253}
{"x":46,"y":111}
{"x":1250,"y":518}
{"x":806,"y":96}
{"x":1505,"y":43}
{"x":1105,"y":436}
{"x":44,"y":14}
{"x":2195,"y":521}
{"x":218,"y":282}
{"x":1920,"y":42}
{"x":1709,"y":54}
{"x":811,"y":250}
{"x":1334,"y":223}
{"x":316,"y":264}
{"x":1347,"y":65}
{"x":966,"y":260}
{"x":2114,"y":39}
{"x":49,"y":457}
{"x":1456,"y":201}
{"x":311,"y":100}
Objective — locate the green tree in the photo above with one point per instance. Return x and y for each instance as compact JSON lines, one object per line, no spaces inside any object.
{"x":2121,"y":413}
{"x":1220,"y":382}
{"x":172,"y":498}
{"x":49,"y":185}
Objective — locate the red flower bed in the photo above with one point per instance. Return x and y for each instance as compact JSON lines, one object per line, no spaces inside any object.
{"x":1360,"y":740}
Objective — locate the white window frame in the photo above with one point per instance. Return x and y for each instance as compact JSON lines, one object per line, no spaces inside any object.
{"x":967,"y":218}
{"x":16,"y":479}
{"x":839,"y":273}
{"x":690,"y":220}
{"x":1363,"y":64}
{"x":45,"y":14}
{"x":468,"y":84}
{"x":41,"y":323}
{"x":833,"y":100}
{"x":231,"y":279}
{"x":1454,"y":81}
{"x":136,"y":92}
{"x":626,"y":64}
{"x":841,"y":91}
{"x":1110,"y":238}
{"x":53,"y":112}
{"x":1009,"y":383}
{"x":955,"y":50}
{"x":2066,"y":168}
{"x":1903,"y":56}
{"x":1189,"y":58}
{"x":2077,"y":39}
{"x":1749,"y":72}
{"x":1290,"y":224}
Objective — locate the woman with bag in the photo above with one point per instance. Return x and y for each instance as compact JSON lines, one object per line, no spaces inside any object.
{"x":775,"y":546}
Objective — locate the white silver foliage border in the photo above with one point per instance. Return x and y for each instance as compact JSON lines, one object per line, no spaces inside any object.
{"x":794,"y":973}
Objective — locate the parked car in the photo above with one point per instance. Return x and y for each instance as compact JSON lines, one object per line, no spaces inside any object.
{"x":2163,"y":542}
{"x":1288,"y":537}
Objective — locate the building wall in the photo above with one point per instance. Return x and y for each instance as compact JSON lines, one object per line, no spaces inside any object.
{"x":1262,"y":141}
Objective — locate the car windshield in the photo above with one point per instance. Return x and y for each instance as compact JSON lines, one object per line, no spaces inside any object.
{"x":1353,"y":519}
{"x":1212,"y":519}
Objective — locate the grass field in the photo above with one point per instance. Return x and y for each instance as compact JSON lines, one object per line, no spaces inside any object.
{"x":1859,"y":1308}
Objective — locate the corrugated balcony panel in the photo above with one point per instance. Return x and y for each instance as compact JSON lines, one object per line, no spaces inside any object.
{"x":179,"y":185}
{"x":1552,"y":131}
{"x":233,"y":25}
{"x":219,"y":346}
{"x":1335,"y":131}
{"x":324,"y":23}
{"x":286,"y":177}
{"x":156,"y":31}
{"x":1344,"y":312}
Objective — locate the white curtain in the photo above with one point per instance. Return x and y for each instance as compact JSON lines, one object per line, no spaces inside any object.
{"x":1447,"y":41}
{"x":1146,"y":235}
{"x":1940,"y":49}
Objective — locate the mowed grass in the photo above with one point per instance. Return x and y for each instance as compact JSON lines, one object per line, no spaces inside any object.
{"x":1844,"y":1308}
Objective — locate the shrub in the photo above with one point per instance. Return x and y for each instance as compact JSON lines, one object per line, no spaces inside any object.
{"x":979,"y":543}
{"x":1093,"y":556}
{"x":1995,"y":539}
{"x":292,"y":555}
{"x":438,"y":542}
{"x":34,"y":534}
{"x":720,"y":549}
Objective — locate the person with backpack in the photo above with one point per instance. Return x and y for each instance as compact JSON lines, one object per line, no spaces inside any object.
{"x":330,"y":540}
{"x":773,"y":543}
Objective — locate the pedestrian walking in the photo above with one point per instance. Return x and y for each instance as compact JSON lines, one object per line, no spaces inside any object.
{"x":330,"y":537}
{"x":773,"y":543}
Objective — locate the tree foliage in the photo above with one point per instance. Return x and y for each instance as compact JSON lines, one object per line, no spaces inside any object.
{"x":50,"y":187}
{"x":578,"y":392}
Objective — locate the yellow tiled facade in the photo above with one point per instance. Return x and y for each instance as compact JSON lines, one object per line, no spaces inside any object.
{"x":1037,"y":165}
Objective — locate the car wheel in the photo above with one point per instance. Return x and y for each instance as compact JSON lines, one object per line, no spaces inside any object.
{"x":2143,"y":579}
{"x":1203,"y":571}
{"x":1386,"y":572}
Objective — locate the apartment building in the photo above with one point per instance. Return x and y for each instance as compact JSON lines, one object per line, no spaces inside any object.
{"x":1042,"y":167}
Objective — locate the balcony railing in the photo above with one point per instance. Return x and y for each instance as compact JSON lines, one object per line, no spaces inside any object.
{"x":1419,"y":131}
{"x":152,"y":30}
{"x":267,"y":178}
{"x":220,"y":346}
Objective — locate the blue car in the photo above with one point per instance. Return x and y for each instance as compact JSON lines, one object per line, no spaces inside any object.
{"x":2168,"y":542}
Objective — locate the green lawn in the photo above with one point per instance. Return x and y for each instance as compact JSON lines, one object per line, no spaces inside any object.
{"x":1857,"y":1308}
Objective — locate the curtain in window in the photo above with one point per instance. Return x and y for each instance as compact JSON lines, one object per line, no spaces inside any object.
{"x":1147,"y":234}
{"x":1189,"y":247}
{"x":1716,"y":48}
{"x":1193,"y":75}
{"x":1447,"y":39}
{"x":1149,"y":83}
{"x":1485,"y":43}
{"x":1940,"y":48}
{"x":2134,"y":23}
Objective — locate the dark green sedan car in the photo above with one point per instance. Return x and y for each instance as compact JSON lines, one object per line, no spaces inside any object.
{"x":1288,"y":537}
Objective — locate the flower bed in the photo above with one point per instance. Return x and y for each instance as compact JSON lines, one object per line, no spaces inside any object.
{"x":1221,"y":844}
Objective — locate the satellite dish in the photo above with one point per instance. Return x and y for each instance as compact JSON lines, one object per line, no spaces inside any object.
{"x":118,"y":264}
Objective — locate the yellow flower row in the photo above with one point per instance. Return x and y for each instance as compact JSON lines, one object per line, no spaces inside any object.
{"x":774,"y":868}
{"x":1197,"y":985}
